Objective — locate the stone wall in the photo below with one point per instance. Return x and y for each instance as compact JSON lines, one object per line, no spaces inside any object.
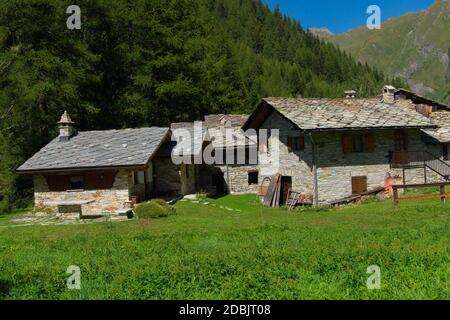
{"x":297,"y":164}
{"x":110,"y":200}
{"x":236,"y":178}
{"x":188,"y":179}
{"x":172,"y":179}
{"x":335,"y":170}
{"x":167,"y":176}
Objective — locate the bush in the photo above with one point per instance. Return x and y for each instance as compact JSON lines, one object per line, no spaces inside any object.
{"x":161,"y":202}
{"x":154,"y":209}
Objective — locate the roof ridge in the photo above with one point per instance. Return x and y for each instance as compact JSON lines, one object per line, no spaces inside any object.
{"x":125,"y":129}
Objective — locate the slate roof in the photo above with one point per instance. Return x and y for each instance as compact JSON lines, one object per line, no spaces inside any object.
{"x":234,"y":120}
{"x":186,"y":140}
{"x":335,"y":114}
{"x":217,"y":123}
{"x":98,"y":149}
{"x":442,"y":119}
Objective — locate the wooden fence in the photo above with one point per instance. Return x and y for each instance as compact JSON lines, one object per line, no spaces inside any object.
{"x":442,"y":195}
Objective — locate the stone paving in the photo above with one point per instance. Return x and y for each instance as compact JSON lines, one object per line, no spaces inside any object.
{"x":36,"y":219}
{"x":206,"y":203}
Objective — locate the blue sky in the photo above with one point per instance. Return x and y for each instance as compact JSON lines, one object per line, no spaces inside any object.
{"x":342,"y":15}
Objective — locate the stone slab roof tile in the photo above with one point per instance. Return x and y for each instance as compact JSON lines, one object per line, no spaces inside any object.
{"x":442,"y":119}
{"x":329,"y":114}
{"x":92,"y":149}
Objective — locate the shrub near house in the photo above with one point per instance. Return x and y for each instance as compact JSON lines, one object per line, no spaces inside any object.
{"x":157,"y":208}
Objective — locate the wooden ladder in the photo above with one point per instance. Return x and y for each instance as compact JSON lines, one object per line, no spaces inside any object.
{"x":293,"y":199}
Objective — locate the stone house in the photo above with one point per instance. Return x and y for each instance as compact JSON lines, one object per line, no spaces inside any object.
{"x":96,"y":171}
{"x":333,"y":148}
{"x":228,"y":175}
{"x":327,"y":149}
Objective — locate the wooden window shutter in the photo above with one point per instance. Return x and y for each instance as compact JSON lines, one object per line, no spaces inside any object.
{"x":290,"y":144}
{"x":359,"y":185}
{"x":100,"y":180}
{"x":302,"y":143}
{"x":347,"y":144}
{"x":57,"y":182}
{"x":370,"y":142}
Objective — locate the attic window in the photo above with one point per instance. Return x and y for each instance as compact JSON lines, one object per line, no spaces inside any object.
{"x":76,"y":183}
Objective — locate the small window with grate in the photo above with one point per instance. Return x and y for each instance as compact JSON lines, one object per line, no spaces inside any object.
{"x":76,"y":183}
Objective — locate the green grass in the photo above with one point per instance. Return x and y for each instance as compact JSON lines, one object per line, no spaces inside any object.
{"x":207,"y":252}
{"x":6,"y":217}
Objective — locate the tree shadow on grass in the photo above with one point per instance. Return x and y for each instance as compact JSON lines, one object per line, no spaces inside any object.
{"x":5,"y":288}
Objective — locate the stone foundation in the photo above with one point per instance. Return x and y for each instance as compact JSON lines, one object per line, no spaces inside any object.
{"x":111,"y":200}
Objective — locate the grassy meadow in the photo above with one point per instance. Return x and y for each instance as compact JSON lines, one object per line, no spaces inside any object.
{"x":211,"y":252}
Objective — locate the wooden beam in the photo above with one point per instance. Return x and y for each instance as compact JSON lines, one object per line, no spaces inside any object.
{"x":434,"y":196}
{"x":425,"y":174}
{"x":420,"y":185}
{"x":396,"y":200}
{"x":443,"y":195}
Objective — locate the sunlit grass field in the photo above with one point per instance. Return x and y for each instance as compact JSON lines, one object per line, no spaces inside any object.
{"x":211,"y":252}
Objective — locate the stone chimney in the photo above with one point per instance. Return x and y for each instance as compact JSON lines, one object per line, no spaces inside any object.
{"x":350,"y":94}
{"x":66,"y":128}
{"x":389,"y":94}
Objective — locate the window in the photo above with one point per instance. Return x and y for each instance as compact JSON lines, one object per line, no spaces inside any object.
{"x":253,"y":177}
{"x":358,"y":143}
{"x":139,"y":177}
{"x":76,"y":183}
{"x":295,"y":144}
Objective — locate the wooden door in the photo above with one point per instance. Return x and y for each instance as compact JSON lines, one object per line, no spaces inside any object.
{"x":286,"y":186}
{"x":400,"y":147}
{"x":359,"y":185}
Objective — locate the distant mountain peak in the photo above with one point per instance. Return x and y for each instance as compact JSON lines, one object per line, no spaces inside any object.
{"x":414,"y":47}
{"x":322,"y":32}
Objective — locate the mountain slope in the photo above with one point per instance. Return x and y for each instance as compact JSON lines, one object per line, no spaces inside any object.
{"x":415,"y":47}
{"x":150,"y":63}
{"x":277,"y":57}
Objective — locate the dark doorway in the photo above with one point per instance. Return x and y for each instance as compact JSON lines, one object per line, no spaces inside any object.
{"x":445,"y":152}
{"x":286,"y":186}
{"x":218,"y":181}
{"x":401,"y":147}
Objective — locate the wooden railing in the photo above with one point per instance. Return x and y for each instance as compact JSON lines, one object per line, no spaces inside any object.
{"x":419,"y":159}
{"x":442,"y":194}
